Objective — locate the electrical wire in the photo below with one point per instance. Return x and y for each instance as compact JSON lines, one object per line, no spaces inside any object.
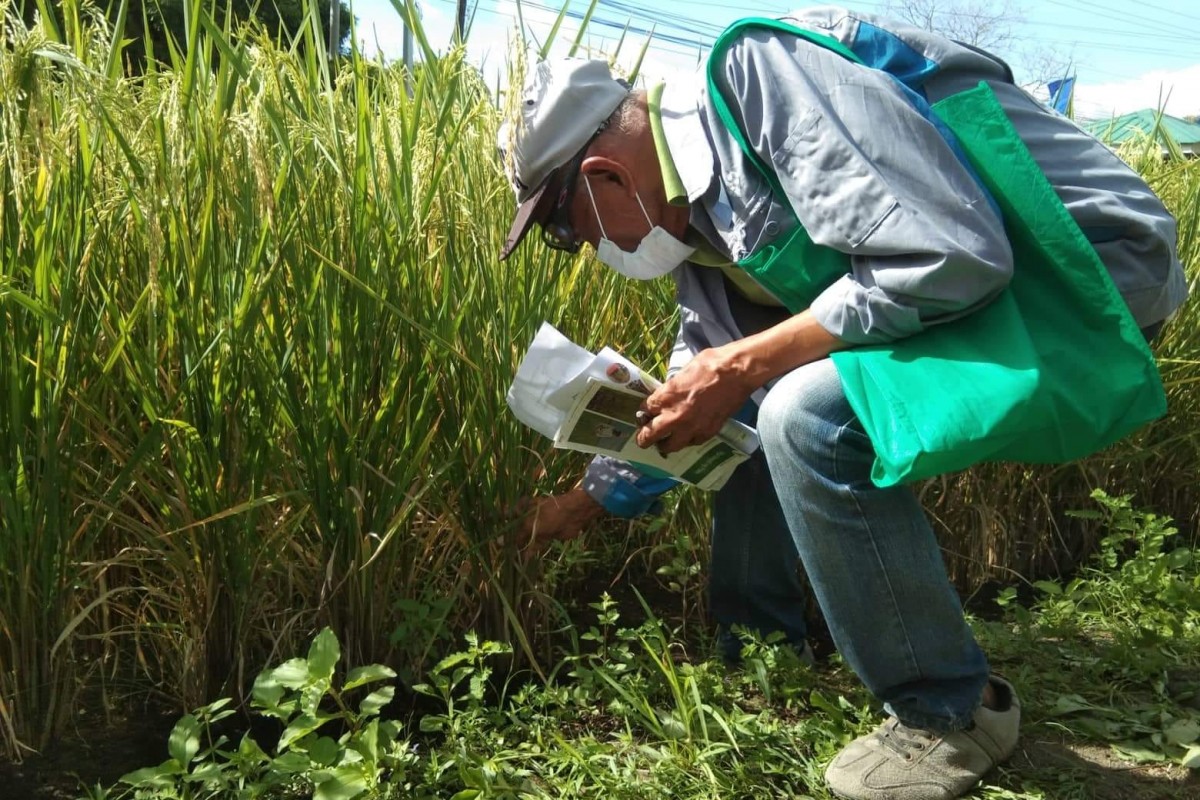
{"x":672,"y":31}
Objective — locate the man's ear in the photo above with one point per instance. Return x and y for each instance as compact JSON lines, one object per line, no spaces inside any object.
{"x":603,"y":168}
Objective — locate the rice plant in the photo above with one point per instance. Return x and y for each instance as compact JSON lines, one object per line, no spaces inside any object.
{"x":255,"y":345}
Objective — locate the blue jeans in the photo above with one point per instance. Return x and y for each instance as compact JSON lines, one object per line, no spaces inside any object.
{"x":754,"y":580}
{"x":870,"y":555}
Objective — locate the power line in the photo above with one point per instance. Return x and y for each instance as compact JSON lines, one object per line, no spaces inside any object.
{"x":1122,"y":35}
{"x":697,"y":36}
{"x":1144,"y":4}
{"x":1136,"y":50}
{"x":686,"y":24}
{"x":610,"y":25}
{"x":1072,"y":5}
{"x":672,"y":28}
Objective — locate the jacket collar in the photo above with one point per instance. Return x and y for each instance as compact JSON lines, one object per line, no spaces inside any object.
{"x":683,"y":128}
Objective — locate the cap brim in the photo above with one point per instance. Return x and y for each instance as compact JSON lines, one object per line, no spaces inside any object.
{"x":531,"y":212}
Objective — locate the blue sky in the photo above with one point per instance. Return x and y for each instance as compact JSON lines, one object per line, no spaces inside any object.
{"x":1125,"y":54}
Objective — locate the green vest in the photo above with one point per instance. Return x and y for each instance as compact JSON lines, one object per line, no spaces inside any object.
{"x":1052,"y":370}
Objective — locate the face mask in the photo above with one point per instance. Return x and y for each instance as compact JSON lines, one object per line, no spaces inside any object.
{"x":656,"y":255}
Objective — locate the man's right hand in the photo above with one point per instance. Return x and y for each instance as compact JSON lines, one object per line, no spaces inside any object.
{"x":559,"y":517}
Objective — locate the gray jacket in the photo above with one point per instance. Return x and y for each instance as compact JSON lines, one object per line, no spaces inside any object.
{"x":867,"y":174}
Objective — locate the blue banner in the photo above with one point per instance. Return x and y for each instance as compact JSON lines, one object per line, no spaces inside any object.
{"x":1060,"y":94}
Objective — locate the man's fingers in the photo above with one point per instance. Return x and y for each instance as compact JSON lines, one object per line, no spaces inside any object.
{"x":677,"y":441}
{"x":517,"y":509}
{"x":655,"y":402}
{"x":661,"y":431}
{"x":671,"y":435}
{"x":651,"y":432}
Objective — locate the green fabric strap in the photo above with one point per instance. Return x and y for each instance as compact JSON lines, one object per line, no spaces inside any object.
{"x":791,"y":267}
{"x":717,"y":95}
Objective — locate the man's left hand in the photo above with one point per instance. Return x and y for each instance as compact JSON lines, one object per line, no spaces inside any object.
{"x":693,"y":405}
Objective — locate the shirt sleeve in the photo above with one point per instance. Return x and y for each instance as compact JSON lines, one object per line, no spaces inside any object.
{"x":622,"y":489}
{"x":867,"y":173}
{"x":681,"y":353}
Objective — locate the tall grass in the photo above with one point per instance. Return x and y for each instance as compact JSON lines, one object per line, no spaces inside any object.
{"x":255,"y":342}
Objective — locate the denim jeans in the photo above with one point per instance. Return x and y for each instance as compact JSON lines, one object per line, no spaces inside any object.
{"x":870,"y":555}
{"x":754,"y":580}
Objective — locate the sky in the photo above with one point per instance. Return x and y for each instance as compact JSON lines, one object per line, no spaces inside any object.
{"x":1125,"y":56}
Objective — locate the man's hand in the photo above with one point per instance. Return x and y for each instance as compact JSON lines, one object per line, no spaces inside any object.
{"x":693,"y":405}
{"x":560,"y":517}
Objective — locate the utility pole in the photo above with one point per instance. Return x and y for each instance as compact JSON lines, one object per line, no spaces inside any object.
{"x":460,"y":20}
{"x":335,"y":28}
{"x":408,"y":56}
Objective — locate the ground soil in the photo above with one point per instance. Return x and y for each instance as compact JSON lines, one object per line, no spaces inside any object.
{"x":99,"y":750}
{"x":101,"y":755}
{"x":1098,"y":770}
{"x":96,"y":751}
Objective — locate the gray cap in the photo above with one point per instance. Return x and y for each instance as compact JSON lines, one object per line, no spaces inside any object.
{"x":563,"y":104}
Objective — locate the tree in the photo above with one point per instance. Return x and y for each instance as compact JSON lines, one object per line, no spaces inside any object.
{"x":980,"y":24}
{"x":991,"y":26}
{"x":150,"y":24}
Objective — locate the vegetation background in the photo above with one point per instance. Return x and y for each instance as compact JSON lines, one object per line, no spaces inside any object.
{"x":254,"y":342}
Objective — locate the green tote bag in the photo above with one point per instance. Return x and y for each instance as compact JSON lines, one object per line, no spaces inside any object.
{"x":1052,"y":370}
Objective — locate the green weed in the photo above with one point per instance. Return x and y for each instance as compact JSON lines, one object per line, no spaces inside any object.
{"x":629,"y":713}
{"x":1130,"y":621}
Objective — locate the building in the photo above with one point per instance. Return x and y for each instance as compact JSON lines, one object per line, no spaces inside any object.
{"x":1145,"y":123}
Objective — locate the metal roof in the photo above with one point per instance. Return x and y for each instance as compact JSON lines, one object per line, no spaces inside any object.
{"x":1123,"y":128}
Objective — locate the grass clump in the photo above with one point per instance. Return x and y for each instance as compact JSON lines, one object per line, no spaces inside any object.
{"x":253,"y":347}
{"x":1106,"y":665}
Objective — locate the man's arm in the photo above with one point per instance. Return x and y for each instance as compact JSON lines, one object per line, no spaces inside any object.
{"x":691,"y":407}
{"x":608,"y":486}
{"x":558,"y":517}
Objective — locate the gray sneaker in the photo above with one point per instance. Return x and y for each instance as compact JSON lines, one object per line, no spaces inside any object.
{"x":896,"y":762}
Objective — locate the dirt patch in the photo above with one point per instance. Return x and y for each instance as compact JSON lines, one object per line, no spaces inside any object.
{"x":1055,"y":767}
{"x":1094,"y":771}
{"x":94,"y":752}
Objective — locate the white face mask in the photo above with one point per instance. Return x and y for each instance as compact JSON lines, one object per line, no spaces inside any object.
{"x":656,"y":255}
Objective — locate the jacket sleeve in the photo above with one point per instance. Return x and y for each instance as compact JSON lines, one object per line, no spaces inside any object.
{"x":866,"y":171}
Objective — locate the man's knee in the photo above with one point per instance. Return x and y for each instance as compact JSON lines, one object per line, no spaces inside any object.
{"x":781,"y":417}
{"x":802,"y":412}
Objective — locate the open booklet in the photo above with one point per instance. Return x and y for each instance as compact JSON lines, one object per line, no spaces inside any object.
{"x":589,"y":402}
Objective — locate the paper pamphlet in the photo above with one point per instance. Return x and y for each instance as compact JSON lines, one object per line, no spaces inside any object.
{"x":588,"y":402}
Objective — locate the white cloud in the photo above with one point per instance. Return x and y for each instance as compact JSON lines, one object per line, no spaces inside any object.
{"x":1178,"y":91}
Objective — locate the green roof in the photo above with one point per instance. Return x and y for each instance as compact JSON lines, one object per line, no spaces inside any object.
{"x":1123,"y":128}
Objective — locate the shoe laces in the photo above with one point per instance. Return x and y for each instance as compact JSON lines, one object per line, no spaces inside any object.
{"x":904,"y":741}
